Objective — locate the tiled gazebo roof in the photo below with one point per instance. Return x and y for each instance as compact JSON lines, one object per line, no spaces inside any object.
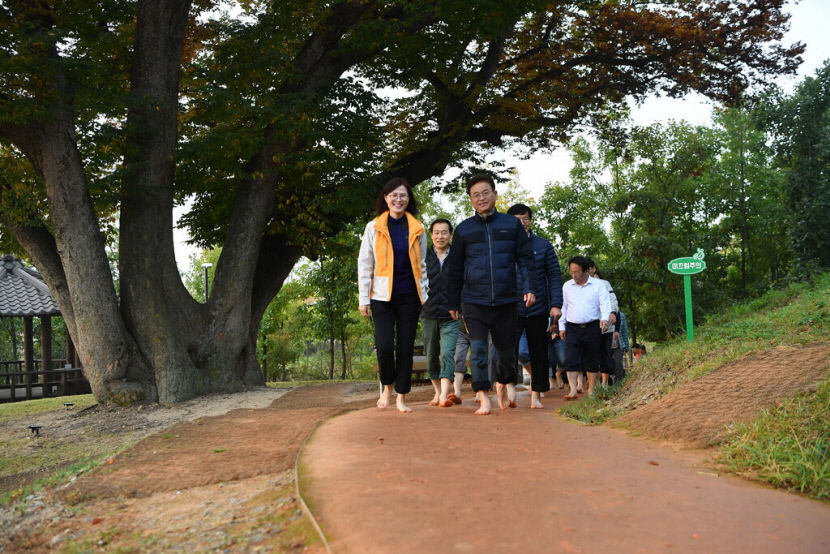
{"x":23,"y":292}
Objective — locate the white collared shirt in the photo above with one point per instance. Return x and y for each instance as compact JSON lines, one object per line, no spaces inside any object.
{"x":584,"y":303}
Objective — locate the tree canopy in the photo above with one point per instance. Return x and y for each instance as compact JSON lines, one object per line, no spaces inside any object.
{"x":281,"y":122}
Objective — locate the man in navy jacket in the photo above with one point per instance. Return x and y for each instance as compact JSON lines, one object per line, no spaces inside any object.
{"x":533,"y":320}
{"x":489,"y":256}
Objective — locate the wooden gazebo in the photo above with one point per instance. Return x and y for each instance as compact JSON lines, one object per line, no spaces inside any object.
{"x":23,"y":294}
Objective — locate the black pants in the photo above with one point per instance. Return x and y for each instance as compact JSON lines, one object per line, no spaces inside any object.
{"x":398,"y":316}
{"x":583,"y":345}
{"x":500,"y":323}
{"x":536,"y":329}
{"x":606,"y":361}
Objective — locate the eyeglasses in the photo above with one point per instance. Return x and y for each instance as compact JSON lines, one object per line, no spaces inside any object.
{"x":398,"y":196}
{"x":480,"y":195}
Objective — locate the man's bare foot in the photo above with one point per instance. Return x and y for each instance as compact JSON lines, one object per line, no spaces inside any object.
{"x":385,"y":395}
{"x":535,"y":403}
{"x":455,"y":398}
{"x":401,"y":403}
{"x":501,"y":396}
{"x":436,"y":400}
{"x":481,"y":397}
{"x":511,"y":395}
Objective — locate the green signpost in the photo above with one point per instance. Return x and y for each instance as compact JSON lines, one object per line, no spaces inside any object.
{"x":688,"y":267}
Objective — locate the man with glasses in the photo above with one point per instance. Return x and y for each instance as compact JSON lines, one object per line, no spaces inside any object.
{"x":490,"y":256}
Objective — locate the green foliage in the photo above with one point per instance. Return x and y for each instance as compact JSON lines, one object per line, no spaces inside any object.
{"x":194,"y":277}
{"x":786,"y":446}
{"x":801,"y":128}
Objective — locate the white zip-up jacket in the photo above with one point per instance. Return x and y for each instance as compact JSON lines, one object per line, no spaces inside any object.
{"x":376,"y":263}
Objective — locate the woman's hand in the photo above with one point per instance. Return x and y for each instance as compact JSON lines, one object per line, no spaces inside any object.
{"x":364,"y":310}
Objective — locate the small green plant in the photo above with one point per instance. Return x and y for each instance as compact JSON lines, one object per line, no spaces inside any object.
{"x":594,"y":409}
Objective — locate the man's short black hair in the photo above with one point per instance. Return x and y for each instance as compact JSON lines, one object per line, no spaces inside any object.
{"x":581,"y":261}
{"x":520,"y":209}
{"x":478,"y":178}
{"x":440,"y":220}
{"x":591,"y":263}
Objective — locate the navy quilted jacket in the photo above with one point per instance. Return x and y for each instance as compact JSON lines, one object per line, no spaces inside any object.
{"x":548,"y":283}
{"x":489,"y":257}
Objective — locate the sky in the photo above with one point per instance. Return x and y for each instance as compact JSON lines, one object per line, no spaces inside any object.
{"x":808,"y":24}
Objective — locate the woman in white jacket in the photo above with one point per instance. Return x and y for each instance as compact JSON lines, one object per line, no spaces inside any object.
{"x":392,"y":285}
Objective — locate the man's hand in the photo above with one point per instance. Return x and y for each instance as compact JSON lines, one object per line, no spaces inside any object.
{"x":530,"y":299}
{"x":603,"y":325}
{"x":556,"y":313}
{"x":364,"y":310}
{"x":454,"y":314}
{"x":613,"y":318}
{"x":562,"y":334}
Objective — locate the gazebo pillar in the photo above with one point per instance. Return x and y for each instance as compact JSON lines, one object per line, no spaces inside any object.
{"x":28,"y":355}
{"x":46,"y":351}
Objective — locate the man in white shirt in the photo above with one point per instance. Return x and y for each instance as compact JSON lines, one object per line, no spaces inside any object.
{"x":586,"y":310}
{"x":606,"y":363}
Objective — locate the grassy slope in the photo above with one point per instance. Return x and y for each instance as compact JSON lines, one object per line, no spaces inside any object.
{"x":788,"y":446}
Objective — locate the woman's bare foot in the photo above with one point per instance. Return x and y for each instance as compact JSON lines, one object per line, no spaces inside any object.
{"x":385,"y":396}
{"x":535,"y":403}
{"x":401,"y":403}
{"x":484,"y":400}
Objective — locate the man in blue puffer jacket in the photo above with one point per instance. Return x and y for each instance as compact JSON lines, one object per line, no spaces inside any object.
{"x":490,"y":254}
{"x":533,"y":320}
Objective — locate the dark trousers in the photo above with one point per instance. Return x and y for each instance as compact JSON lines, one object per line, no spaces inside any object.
{"x":606,"y":362}
{"x":536,"y":330}
{"x":500,"y":323}
{"x":583,"y":347}
{"x":398,"y":317}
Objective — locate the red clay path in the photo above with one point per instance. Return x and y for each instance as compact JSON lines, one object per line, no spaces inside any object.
{"x":444,"y":480}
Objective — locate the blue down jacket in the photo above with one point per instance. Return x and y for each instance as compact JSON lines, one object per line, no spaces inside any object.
{"x":548,"y":282}
{"x":489,"y":262}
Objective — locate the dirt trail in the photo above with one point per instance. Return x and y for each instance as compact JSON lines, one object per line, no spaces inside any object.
{"x":445,"y":480}
{"x":702,"y":412}
{"x":438,"y":480}
{"x":222,"y":482}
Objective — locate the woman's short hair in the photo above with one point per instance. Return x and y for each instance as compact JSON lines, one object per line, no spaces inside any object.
{"x":392,"y":184}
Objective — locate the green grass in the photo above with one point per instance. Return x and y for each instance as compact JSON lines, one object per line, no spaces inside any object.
{"x":787,"y":446}
{"x":594,"y":409}
{"x":34,"y":407}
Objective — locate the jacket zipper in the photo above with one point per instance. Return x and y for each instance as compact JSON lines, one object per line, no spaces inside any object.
{"x":492,"y":272}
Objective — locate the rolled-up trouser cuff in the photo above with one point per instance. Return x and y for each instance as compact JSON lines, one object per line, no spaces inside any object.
{"x":481,"y":385}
